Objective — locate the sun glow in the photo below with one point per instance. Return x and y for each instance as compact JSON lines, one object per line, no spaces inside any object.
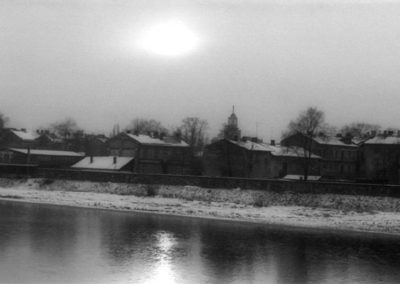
{"x":171,"y":38}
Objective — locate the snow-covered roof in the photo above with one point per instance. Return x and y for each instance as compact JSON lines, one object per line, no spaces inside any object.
{"x":102,"y":163}
{"x":52,"y":137}
{"x":145,"y":139}
{"x":331,"y":140}
{"x":300,"y":177}
{"x":253,"y":146}
{"x":25,"y":134}
{"x":47,"y":152}
{"x":358,"y":140}
{"x":383,"y":140}
{"x":275,"y":150}
{"x":283,"y":151}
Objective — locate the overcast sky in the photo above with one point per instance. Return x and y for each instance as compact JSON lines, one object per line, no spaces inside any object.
{"x":271,"y":59}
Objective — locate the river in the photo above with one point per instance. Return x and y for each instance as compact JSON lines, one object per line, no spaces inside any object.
{"x":51,"y":244}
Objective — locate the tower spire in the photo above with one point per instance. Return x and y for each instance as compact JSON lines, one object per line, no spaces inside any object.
{"x":233,"y":108}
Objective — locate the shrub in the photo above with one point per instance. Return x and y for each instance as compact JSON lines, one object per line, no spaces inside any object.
{"x":258,"y":200}
{"x":47,"y":181}
{"x":151,"y":190}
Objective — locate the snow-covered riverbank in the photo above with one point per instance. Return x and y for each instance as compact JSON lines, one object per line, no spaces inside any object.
{"x":336,"y":212}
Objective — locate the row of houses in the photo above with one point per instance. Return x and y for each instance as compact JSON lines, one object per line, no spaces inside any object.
{"x":372,"y":159}
{"x":375,"y":158}
{"x":125,"y":151}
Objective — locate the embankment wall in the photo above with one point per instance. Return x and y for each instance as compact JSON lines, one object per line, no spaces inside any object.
{"x":207,"y":182}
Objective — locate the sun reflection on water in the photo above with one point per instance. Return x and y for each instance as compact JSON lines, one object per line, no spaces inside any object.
{"x":163,"y":270}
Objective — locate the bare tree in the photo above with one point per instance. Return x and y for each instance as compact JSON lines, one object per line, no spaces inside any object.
{"x":193,"y":131}
{"x":146,"y":126}
{"x":66,"y":128}
{"x":359,"y":129}
{"x":310,"y":123}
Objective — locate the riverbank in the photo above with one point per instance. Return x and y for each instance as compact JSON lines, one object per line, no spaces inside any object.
{"x":316,"y":211}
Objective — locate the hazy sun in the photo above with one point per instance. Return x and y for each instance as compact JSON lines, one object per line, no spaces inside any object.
{"x":171,"y":38}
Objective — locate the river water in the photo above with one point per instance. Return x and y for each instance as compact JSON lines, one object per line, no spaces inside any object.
{"x":50,"y":244}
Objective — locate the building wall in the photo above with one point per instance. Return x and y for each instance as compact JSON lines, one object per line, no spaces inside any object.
{"x":382,"y":162}
{"x":223,"y":158}
{"x":338,"y":161}
{"x":10,"y":140}
{"x":152,"y":158}
{"x":11,"y":157}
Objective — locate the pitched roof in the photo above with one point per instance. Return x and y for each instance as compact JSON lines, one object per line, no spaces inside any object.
{"x":332,"y":140}
{"x":283,"y":151}
{"x":47,"y":152}
{"x":103,"y":163}
{"x":383,"y":140}
{"x":24,"y":135}
{"x":145,"y":139}
{"x":275,"y":150}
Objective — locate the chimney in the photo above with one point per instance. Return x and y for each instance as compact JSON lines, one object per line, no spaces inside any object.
{"x":91,"y":159}
{"x":114,"y":160}
{"x":272,"y":142}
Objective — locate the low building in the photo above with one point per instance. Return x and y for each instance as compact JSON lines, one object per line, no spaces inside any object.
{"x":255,"y":159}
{"x":382,"y":159}
{"x":105,"y":163}
{"x":341,"y":157}
{"x":166,"y":155}
{"x":18,"y":138}
{"x":42,"y":158}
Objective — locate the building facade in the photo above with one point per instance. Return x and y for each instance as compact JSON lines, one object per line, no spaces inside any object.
{"x":17,"y":138}
{"x":42,"y":158}
{"x":381,"y":159}
{"x":255,"y":159}
{"x":340,"y":157}
{"x":166,"y":155}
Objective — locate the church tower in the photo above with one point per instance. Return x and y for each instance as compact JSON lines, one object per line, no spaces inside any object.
{"x":232,"y":130}
{"x":233,"y":120}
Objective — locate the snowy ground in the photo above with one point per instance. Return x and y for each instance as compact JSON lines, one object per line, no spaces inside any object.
{"x":88,"y":194}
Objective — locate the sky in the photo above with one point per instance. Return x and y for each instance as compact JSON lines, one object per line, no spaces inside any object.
{"x":271,"y":59}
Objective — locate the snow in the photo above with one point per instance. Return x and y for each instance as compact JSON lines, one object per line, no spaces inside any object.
{"x":25,"y":135}
{"x":219,"y":203}
{"x":292,"y":152}
{"x":383,"y":140}
{"x":145,"y":139}
{"x":336,"y":141}
{"x":275,"y":150}
{"x":102,"y":163}
{"x":47,"y":152}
